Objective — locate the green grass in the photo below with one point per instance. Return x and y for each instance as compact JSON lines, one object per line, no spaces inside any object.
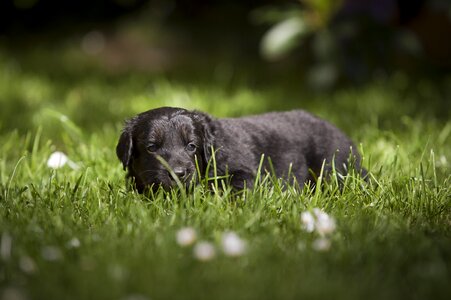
{"x":393,"y":236}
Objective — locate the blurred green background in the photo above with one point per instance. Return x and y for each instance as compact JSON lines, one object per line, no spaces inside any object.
{"x":91,"y":64}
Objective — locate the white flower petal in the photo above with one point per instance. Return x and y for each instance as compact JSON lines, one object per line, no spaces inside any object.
{"x":232,"y":244}
{"x":57,"y":160}
{"x":186,"y":236}
{"x":325,"y":225}
{"x":321,"y":244}
{"x":308,"y":221}
{"x":204,"y":251}
{"x":73,"y":243}
{"x":318,"y":220}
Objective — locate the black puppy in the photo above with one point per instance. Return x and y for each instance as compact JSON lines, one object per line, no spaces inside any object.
{"x":167,"y":137}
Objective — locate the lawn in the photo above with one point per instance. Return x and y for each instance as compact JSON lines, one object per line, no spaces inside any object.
{"x":77,"y":232}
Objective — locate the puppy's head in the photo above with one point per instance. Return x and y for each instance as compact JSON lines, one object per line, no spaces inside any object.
{"x":162,"y":141}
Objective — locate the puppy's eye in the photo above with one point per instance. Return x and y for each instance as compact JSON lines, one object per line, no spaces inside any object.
{"x":191,"y":147}
{"x":152,"y":147}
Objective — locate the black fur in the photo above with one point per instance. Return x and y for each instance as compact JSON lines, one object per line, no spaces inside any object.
{"x":295,"y":138}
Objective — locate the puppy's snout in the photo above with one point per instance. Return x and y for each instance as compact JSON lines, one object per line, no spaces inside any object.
{"x":181,"y":172}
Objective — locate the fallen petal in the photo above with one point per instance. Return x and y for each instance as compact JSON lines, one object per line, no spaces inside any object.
{"x":321,"y":244}
{"x":308,"y":221}
{"x":186,"y":236}
{"x":73,"y":243}
{"x":57,"y":160}
{"x":204,"y":251}
{"x":232,"y":244}
{"x":325,"y":226}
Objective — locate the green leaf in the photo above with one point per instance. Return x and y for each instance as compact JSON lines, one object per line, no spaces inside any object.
{"x":283,"y":37}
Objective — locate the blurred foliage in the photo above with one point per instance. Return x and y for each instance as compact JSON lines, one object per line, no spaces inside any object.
{"x":319,"y":12}
{"x":352,"y":41}
{"x":326,"y":42}
{"x":68,"y":97}
{"x":293,"y":25}
{"x":320,"y":45}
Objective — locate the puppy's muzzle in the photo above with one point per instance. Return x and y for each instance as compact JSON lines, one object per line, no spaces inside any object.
{"x":181,"y":172}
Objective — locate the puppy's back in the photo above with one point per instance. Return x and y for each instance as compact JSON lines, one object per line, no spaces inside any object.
{"x":296,"y":137}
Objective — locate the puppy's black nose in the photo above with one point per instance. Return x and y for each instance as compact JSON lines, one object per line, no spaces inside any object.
{"x":180,"y":172}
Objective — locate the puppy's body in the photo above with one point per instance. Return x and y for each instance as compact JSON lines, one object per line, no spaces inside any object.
{"x":293,"y":140}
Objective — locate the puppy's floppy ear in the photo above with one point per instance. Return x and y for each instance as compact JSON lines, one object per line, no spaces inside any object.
{"x":124,"y":148}
{"x":207,"y":132}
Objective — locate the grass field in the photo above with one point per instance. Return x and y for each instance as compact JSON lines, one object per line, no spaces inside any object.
{"x":78,"y":233}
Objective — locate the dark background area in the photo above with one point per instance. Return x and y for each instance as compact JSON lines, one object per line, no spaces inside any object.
{"x":339,"y":44}
{"x":381,"y":35}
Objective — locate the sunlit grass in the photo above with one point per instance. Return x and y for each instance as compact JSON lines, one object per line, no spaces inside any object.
{"x":80,"y":233}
